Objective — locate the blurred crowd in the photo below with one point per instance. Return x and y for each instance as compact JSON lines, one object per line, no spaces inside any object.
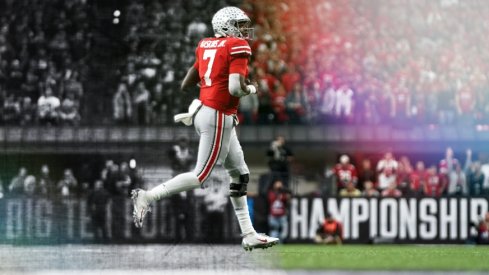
{"x":395,"y":62}
{"x":43,"y":51}
{"x":357,"y":62}
{"x":111,"y":180}
{"x":402,"y":178}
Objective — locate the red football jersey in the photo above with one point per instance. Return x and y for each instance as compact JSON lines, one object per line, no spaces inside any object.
{"x":418,"y":179}
{"x":345,"y":174}
{"x":434,"y":186}
{"x":216,"y":59}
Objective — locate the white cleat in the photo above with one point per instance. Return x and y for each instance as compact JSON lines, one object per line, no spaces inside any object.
{"x":256,"y":240}
{"x":141,"y":207}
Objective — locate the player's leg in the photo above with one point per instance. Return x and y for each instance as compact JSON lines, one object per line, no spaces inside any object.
{"x":239,"y":174}
{"x":210,"y":125}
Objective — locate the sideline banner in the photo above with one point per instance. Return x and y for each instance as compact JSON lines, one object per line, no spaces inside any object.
{"x":403,"y":220}
{"x":44,"y":221}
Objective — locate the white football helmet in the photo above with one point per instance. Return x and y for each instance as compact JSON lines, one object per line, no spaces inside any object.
{"x":232,"y":21}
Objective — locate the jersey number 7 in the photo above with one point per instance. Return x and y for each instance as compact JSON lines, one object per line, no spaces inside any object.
{"x":209,"y":54}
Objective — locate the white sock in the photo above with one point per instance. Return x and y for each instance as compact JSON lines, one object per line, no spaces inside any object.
{"x":241,"y":209}
{"x":180,"y":183}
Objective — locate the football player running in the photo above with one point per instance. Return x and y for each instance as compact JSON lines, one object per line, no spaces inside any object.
{"x":221,"y":67}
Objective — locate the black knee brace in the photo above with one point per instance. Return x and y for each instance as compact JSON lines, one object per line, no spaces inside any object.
{"x":239,"y":189}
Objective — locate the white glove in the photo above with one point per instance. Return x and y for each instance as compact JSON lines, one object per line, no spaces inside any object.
{"x":251,"y":89}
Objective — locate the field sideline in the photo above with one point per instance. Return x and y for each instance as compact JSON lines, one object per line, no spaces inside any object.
{"x":214,"y":259}
{"x":381,"y":257}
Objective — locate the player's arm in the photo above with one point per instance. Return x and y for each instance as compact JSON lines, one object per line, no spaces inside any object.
{"x":240,"y":52}
{"x":191,"y":79}
{"x":238,"y":87}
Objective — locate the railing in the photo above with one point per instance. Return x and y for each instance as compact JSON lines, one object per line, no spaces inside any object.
{"x":247,"y":133}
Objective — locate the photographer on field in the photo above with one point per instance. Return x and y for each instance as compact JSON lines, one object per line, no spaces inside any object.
{"x":482,"y":228}
{"x":280,"y":157}
{"x":329,"y":232}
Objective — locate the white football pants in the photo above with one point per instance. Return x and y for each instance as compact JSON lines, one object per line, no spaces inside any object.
{"x":218,"y":144}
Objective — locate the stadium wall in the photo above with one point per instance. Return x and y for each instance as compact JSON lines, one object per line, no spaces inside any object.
{"x":404,"y":220}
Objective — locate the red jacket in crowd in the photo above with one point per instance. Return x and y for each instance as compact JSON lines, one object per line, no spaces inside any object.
{"x":278,"y":203}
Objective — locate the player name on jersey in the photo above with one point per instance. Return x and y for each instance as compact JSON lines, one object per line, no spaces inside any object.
{"x":212,"y":44}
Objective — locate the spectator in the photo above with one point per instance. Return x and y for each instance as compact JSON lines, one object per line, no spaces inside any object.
{"x":369,"y":190}
{"x":181,"y":156}
{"x":290,"y":78}
{"x":1,"y":190}
{"x":16,"y":186}
{"x":116,"y":182}
{"x":296,"y":105}
{"x":248,"y":107}
{"x":448,"y":164}
{"x":435,"y":184}
{"x":483,"y":230}
{"x":30,"y":188}
{"x":485,"y":172}
{"x":350,"y":191}
{"x":278,"y":202}
{"x":328,"y":103}
{"x":125,"y":178}
{"x":11,"y":110}
{"x":141,"y":103}
{"x":136,"y":178}
{"x":392,"y":191}
{"x":345,"y":172}
{"x":72,"y":85}
{"x":446,"y":100}
{"x":315,"y":96}
{"x":278,"y":104}
{"x":68,"y":185}
{"x":465,"y":102}
{"x":457,"y":182}
{"x":367,"y":173}
{"x":418,"y":179}
{"x":403,"y":178}
{"x":158,"y":105}
{"x":400,"y":105}
{"x":121,"y":104}
{"x":47,"y":107}
{"x":68,"y":112}
{"x":197,"y":28}
{"x":329,"y":232}
{"x":28,"y":112}
{"x":386,"y":168}
{"x":97,"y":204}
{"x":15,"y":77}
{"x":344,"y":102}
{"x":475,"y":179}
{"x":280,"y":157}
{"x":46,"y":185}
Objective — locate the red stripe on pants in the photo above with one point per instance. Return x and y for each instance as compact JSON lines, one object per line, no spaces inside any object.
{"x":215,"y":150}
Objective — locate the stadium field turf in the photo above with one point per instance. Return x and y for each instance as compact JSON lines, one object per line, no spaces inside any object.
{"x":382,"y":257}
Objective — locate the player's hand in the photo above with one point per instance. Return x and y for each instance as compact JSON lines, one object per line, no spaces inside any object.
{"x":252,"y":86}
{"x":252,"y":89}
